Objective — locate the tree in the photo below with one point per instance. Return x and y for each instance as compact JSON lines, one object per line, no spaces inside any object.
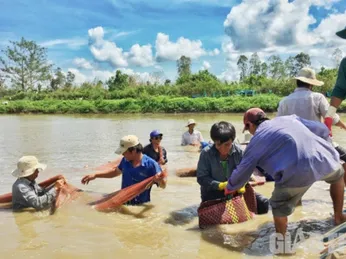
{"x":58,"y":80}
{"x":69,"y":80}
{"x":290,"y":67}
{"x":276,"y":67}
{"x":158,"y":77}
{"x":255,"y":64}
{"x":167,"y":82}
{"x":301,"y":60}
{"x":242,"y":65}
{"x":184,"y":66}
{"x":337,"y":57}
{"x":119,"y":82}
{"x":264,"y":69}
{"x":25,"y":64}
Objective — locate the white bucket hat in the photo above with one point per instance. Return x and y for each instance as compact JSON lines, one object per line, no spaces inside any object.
{"x":307,"y":75}
{"x":26,"y":166}
{"x":190,"y":121}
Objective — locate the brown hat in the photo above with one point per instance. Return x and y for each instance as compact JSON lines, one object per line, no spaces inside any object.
{"x":252,"y":115}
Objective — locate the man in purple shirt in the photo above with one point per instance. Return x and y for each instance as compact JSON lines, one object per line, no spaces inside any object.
{"x":296,"y":153}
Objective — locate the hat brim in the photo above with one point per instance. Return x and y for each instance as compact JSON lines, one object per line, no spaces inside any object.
{"x":120,"y":150}
{"x":157,"y":135}
{"x":191,"y":124}
{"x":342,"y":33}
{"x":20,"y":174}
{"x":314,"y":82}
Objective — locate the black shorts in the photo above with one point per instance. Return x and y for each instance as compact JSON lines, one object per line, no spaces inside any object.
{"x":342,"y":153}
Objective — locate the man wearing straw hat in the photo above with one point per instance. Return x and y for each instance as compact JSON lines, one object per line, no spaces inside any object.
{"x":310,"y":105}
{"x":26,"y":193}
{"x":191,"y":137}
{"x":339,"y":91}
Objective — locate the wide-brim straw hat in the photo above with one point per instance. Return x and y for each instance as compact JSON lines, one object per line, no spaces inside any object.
{"x":307,"y":75}
{"x":190,"y":121}
{"x":26,"y":166}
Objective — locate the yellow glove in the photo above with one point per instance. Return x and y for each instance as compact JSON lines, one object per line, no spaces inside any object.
{"x":241,"y":190}
{"x":222,"y":185}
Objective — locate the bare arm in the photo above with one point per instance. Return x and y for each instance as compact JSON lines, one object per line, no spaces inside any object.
{"x":109,"y":173}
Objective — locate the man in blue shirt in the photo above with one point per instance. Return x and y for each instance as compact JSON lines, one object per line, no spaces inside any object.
{"x":296,"y":153}
{"x":135,"y":167}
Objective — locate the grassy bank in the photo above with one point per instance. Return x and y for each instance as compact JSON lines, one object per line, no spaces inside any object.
{"x":160,"y":104}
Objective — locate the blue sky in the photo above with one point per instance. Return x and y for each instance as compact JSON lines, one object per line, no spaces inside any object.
{"x":215,"y":32}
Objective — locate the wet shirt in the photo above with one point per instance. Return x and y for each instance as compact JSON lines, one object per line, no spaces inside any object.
{"x":150,"y":151}
{"x":132,"y":175}
{"x":294,"y":151}
{"x":211,"y":170}
{"x":28,"y":194}
{"x":194,"y":138}
{"x":306,"y":104}
{"x":339,"y":90}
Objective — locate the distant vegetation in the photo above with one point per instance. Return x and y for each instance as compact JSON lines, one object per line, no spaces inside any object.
{"x":28,"y":83}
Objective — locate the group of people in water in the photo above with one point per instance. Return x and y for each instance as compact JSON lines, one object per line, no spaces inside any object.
{"x":295,"y":149}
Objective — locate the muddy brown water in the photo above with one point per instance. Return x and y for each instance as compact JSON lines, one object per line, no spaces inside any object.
{"x":166,"y":228}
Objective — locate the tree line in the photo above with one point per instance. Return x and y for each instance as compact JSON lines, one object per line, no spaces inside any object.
{"x":26,"y":73}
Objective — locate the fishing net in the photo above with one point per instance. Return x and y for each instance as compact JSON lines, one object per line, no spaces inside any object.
{"x":238,"y":209}
{"x":109,"y":165}
{"x":186,"y":172}
{"x":114,"y":200}
{"x":65,"y":195}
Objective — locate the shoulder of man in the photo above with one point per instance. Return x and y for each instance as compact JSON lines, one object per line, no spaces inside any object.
{"x":147,"y":160}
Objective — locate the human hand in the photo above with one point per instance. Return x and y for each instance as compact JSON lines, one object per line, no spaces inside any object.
{"x":228,"y":192}
{"x":61,"y":177}
{"x":59,"y":184}
{"x":86,"y":179}
{"x":222,"y":185}
{"x":341,"y":125}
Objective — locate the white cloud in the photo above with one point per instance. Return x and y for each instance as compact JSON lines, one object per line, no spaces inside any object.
{"x":107,"y":51}
{"x":254,"y":25}
{"x":206,"y":65}
{"x":90,"y":76}
{"x":214,"y":52}
{"x":82,"y":63}
{"x":104,"y":75}
{"x":71,"y":43}
{"x":141,"y":55}
{"x":96,"y":34}
{"x":278,"y":27}
{"x":168,"y":50}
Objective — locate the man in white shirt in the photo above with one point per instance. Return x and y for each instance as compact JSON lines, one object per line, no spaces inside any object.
{"x":191,"y":137}
{"x":310,"y":105}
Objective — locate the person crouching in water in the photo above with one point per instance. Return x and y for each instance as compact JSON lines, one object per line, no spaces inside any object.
{"x":134,"y":168}
{"x":26,"y":193}
{"x":217,"y":162}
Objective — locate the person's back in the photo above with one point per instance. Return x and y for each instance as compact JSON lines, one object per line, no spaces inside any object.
{"x":304,"y":103}
{"x":288,"y":143}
